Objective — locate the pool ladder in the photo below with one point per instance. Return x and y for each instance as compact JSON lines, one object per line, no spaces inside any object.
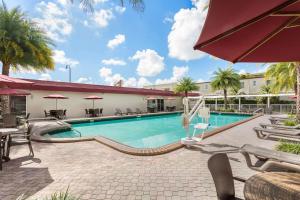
{"x":76,"y":131}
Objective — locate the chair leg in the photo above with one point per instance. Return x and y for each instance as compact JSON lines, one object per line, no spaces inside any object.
{"x":31,"y":149}
{"x":1,"y":153}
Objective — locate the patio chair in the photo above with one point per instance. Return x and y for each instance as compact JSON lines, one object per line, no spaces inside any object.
{"x":138,"y":111}
{"x":87,"y":114}
{"x":119,"y":112}
{"x":2,"y":149}
{"x":92,"y":112}
{"x":9,"y":120}
{"x":60,"y":114}
{"x":266,"y":133}
{"x":96,"y":112}
{"x":221,"y":172}
{"x":279,"y":120}
{"x":47,"y":114}
{"x":21,"y":138}
{"x":270,"y":160}
{"x":278,"y":126}
{"x":101,"y":112}
{"x":129,"y":111}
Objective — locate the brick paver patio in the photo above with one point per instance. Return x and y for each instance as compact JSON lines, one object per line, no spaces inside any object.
{"x":94,"y":171}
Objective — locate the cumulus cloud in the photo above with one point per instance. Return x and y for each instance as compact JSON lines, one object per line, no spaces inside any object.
{"x":112,"y":79}
{"x":178,"y":73}
{"x":119,"y":39}
{"x":150,"y":63}
{"x":45,"y":77}
{"x":102,"y":17}
{"x":60,"y":58}
{"x":187,"y":25}
{"x":113,"y":62}
{"x":54,"y":20}
{"x":87,"y":80}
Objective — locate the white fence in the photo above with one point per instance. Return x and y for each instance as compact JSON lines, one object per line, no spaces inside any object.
{"x":275,"y":108}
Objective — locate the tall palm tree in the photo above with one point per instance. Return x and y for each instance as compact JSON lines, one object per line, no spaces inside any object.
{"x":22,"y":43}
{"x":87,"y":5}
{"x":186,"y":85}
{"x":224,"y":80}
{"x":283,"y":76}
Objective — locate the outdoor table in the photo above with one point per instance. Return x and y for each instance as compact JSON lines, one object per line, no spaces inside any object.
{"x":272,"y":186}
{"x":5,"y":134}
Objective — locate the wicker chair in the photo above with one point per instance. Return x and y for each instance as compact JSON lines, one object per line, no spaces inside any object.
{"x":9,"y":120}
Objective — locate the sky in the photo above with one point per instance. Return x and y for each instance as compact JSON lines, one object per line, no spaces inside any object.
{"x":119,"y":43}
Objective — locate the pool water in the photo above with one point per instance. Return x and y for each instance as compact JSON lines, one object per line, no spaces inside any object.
{"x":146,"y":131}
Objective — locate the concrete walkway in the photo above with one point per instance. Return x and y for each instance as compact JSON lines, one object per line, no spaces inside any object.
{"x":94,"y":171}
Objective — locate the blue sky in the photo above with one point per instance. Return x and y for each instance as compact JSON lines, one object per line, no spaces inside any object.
{"x":115,"y":42}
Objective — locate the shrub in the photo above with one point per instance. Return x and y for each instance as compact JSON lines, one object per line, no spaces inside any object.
{"x":56,"y":196}
{"x":289,"y":147}
{"x":290,"y":123}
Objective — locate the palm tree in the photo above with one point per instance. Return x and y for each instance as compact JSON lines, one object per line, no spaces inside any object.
{"x":22,"y":43}
{"x":283,"y":76}
{"x":224,"y":80}
{"x":87,"y":5}
{"x":186,"y":85}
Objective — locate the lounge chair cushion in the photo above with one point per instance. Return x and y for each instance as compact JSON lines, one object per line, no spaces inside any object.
{"x":271,"y":154}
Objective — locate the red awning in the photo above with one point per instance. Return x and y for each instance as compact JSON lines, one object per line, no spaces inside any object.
{"x":55,"y":96}
{"x":252,"y":30}
{"x":93,"y":97}
{"x":13,"y":92}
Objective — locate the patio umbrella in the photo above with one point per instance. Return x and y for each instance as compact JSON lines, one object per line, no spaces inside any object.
{"x":56,"y":97}
{"x":93,"y":97}
{"x":253,"y":31}
{"x":151,"y":98}
{"x":13,"y":92}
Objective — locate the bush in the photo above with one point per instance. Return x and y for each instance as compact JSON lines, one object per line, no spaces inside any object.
{"x":289,"y":147}
{"x":290,"y":123}
{"x":56,"y":196}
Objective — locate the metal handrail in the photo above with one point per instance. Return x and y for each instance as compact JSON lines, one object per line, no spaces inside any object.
{"x":257,"y":110}
{"x":76,"y":131}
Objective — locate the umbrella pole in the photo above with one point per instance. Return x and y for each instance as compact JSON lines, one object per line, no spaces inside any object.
{"x":298,"y":90}
{"x":93,"y":104}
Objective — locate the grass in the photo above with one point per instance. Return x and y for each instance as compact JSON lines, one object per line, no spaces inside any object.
{"x":290,"y":123}
{"x":56,"y":196}
{"x":289,"y":147}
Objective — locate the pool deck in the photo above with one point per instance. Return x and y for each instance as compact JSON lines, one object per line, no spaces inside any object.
{"x":95,"y":171}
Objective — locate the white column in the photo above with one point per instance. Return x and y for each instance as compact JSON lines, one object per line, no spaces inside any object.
{"x":216,"y":104}
{"x":239,"y":104}
{"x":268,"y":105}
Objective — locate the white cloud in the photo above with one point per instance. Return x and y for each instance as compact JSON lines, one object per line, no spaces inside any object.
{"x":45,"y":77}
{"x":186,"y":28}
{"x":102,"y":17}
{"x":87,"y":80}
{"x":100,"y":1}
{"x":54,"y":20}
{"x":178,"y":73}
{"x":242,"y":71}
{"x":119,"y":39}
{"x":150,"y":62}
{"x":120,"y":9}
{"x":64,"y":2}
{"x":168,"y":20}
{"x":113,"y":62}
{"x":60,"y":58}
{"x":105,"y":72}
{"x":112,"y":79}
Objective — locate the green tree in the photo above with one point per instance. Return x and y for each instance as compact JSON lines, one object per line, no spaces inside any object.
{"x":22,"y":44}
{"x":186,"y":85}
{"x":283,"y":76}
{"x":224,"y":80}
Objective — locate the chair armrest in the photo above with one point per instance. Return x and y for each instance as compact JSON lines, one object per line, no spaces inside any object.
{"x":238,"y":178}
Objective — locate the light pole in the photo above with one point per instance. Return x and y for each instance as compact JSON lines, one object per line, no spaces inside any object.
{"x":70,"y":72}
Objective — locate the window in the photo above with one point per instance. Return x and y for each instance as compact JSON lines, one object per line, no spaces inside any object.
{"x":242,"y":84}
{"x":254,"y":83}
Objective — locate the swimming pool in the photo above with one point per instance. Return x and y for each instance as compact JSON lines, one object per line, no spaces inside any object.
{"x":146,"y":131}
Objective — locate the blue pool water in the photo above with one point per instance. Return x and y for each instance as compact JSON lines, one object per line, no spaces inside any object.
{"x":144,"y":132}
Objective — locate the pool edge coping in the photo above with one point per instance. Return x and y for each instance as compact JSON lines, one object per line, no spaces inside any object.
{"x":140,"y":151}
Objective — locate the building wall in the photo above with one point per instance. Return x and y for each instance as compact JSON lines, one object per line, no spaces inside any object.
{"x":249,"y":86}
{"x":76,"y":103}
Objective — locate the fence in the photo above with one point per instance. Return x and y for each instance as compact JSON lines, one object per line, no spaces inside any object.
{"x":275,"y":108}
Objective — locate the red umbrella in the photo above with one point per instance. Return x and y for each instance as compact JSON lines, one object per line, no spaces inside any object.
{"x":151,"y":98}
{"x":56,"y":97}
{"x":93,"y":97}
{"x":252,"y":31}
{"x":13,"y":92}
